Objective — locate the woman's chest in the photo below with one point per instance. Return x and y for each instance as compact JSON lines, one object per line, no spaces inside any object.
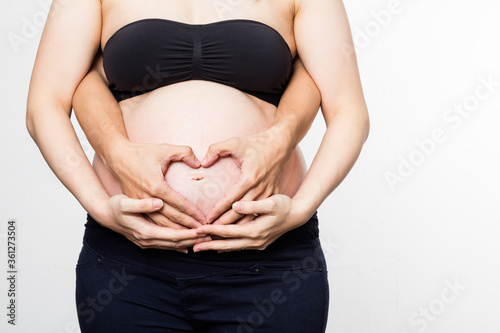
{"x":277,"y":15}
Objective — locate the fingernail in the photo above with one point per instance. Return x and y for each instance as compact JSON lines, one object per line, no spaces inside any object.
{"x":157,"y":203}
{"x":237,"y":206}
{"x":204,"y":160}
{"x":207,"y":239}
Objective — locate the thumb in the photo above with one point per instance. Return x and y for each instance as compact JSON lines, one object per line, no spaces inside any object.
{"x":219,"y":149}
{"x":265,"y":206}
{"x":184,"y":154}
{"x":136,"y":206}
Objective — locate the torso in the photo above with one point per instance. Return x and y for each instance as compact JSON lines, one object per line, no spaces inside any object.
{"x":198,"y":113}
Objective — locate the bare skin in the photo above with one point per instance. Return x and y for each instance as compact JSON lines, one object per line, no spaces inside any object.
{"x":232,"y":112}
{"x":317,"y":29}
{"x":140,"y":168}
{"x":191,"y":122}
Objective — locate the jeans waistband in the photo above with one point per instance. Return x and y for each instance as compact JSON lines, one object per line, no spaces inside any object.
{"x":115,"y":246}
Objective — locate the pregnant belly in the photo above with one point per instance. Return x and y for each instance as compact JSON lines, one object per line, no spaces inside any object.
{"x":198,"y":114}
{"x":203,"y":186}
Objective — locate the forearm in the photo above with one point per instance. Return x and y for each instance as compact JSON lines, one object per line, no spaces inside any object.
{"x":341,"y":145}
{"x":139,"y":168}
{"x":278,"y":214}
{"x":68,"y":45}
{"x":51,"y":129}
{"x":99,"y":115}
{"x":322,"y":32}
{"x":297,"y":109}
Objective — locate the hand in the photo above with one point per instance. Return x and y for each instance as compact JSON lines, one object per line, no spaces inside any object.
{"x":125,"y":218}
{"x":276,"y":217}
{"x":140,"y":170}
{"x":261,"y":158}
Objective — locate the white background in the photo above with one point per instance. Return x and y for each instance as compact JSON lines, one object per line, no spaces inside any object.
{"x":393,"y":250}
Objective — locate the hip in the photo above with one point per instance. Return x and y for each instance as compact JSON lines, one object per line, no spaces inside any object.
{"x":297,"y":249}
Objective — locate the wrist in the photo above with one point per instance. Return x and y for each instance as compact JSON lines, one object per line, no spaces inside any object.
{"x":283,"y":133}
{"x":302,"y":210}
{"x":115,"y":151}
{"x":99,"y":210}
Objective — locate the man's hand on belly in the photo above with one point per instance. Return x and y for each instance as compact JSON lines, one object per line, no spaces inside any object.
{"x":261,"y":158}
{"x":140,"y":169}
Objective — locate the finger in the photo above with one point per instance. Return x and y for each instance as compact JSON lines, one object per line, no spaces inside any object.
{"x":265,"y":206}
{"x":179,"y":217}
{"x":178,"y":202}
{"x":241,"y":187}
{"x":148,"y":235}
{"x":231,"y":216}
{"x":180,"y":246}
{"x":219,"y":149}
{"x":135,"y":206}
{"x":276,"y":189}
{"x":152,"y":232}
{"x":184,"y":154}
{"x":163,"y":221}
{"x":227,"y":231}
{"x":246,"y":219}
{"x":225,"y":245}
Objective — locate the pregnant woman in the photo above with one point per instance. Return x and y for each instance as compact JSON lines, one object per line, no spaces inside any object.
{"x":196,"y":73}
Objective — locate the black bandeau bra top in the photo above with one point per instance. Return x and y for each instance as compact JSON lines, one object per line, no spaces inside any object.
{"x":151,"y":53}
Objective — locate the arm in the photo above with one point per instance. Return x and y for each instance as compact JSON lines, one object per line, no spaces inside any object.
{"x":321,"y":30}
{"x":100,"y":117}
{"x":139,"y":168}
{"x":63,"y":57}
{"x":297,"y":109}
{"x":321,"y":27}
{"x":70,"y":39}
{"x":262,"y":155}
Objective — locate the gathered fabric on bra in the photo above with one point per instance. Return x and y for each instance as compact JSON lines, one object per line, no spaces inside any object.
{"x":244,"y":54}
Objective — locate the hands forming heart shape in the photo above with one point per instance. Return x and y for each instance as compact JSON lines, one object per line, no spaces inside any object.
{"x":248,"y":190}
{"x":144,"y":167}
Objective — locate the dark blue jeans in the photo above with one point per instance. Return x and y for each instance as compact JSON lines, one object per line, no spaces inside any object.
{"x":281,"y":289}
